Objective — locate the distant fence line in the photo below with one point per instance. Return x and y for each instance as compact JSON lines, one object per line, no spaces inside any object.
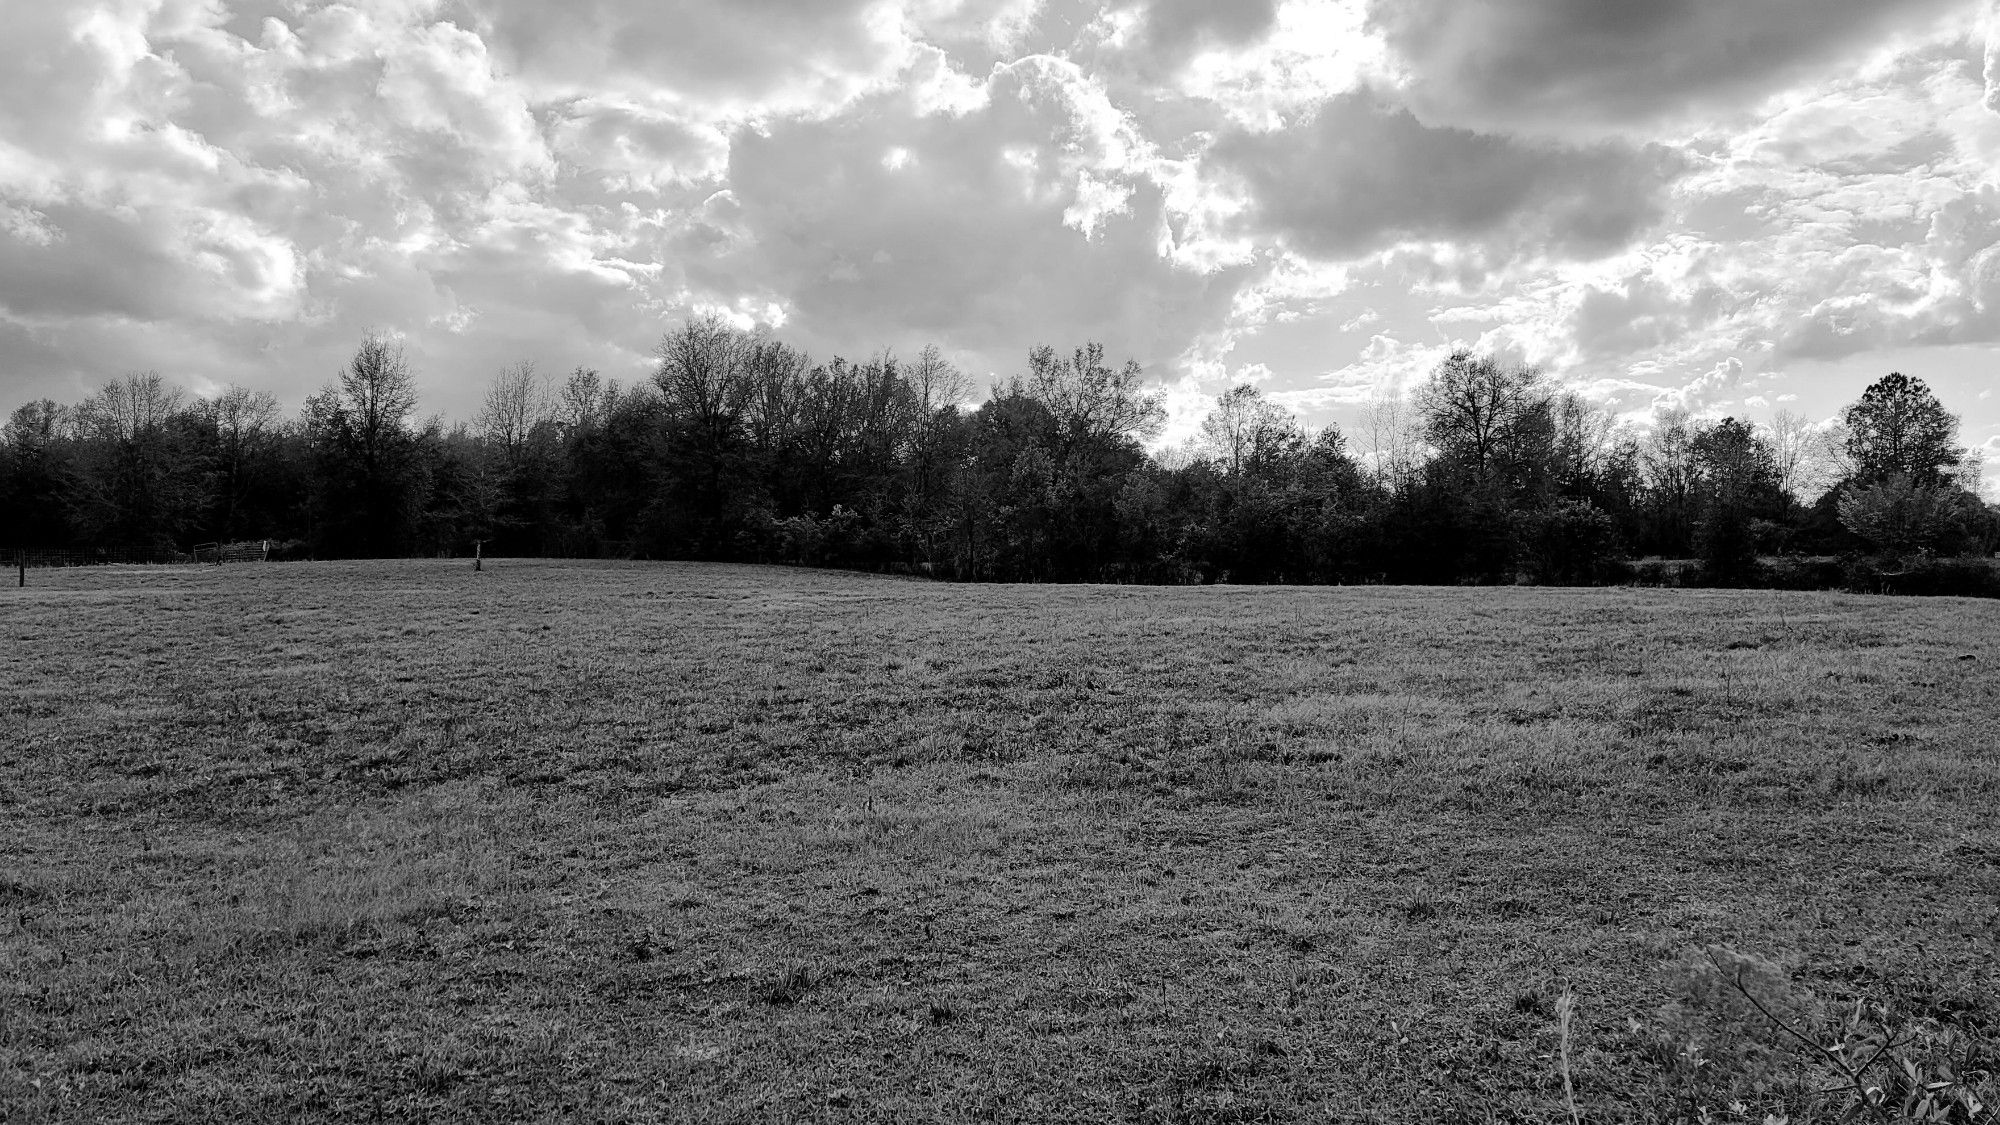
{"x":135,"y":555}
{"x":254,"y":550}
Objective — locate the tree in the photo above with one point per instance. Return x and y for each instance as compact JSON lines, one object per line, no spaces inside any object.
{"x":777,"y":374}
{"x":1394,"y":437}
{"x":1569,"y":543}
{"x":1672,"y":475}
{"x":935,"y":381}
{"x":1245,"y":431}
{"x":1089,"y":399}
{"x":1585,"y":445}
{"x":517,"y":404}
{"x":368,"y":473}
{"x":706,"y":391}
{"x":37,"y":477}
{"x":242,"y":430}
{"x":1898,"y":426}
{"x":1737,"y":467}
{"x":702,"y":376}
{"x":1799,"y":452}
{"x":1489,"y":420}
{"x":584,"y":401}
{"x":138,"y":483}
{"x":937,"y":391}
{"x":1900,"y":516}
{"x":1738,"y":482}
{"x":515,"y":470}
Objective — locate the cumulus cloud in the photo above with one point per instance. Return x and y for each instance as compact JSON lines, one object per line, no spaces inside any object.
{"x":1360,"y":174}
{"x":236,"y":189}
{"x":735,"y":57}
{"x":1992,"y":68}
{"x":1553,"y":64}
{"x":972,"y":232}
{"x":1168,"y":33}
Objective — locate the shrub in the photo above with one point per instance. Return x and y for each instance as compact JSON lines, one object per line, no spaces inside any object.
{"x":1670,"y":573}
{"x":1820,"y":572}
{"x":1969,"y":578}
{"x":1727,"y":547}
{"x":1740,"y":1030}
{"x":1570,"y":544}
{"x":1900,"y":516}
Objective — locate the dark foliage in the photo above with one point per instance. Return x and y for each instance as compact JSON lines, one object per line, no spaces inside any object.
{"x":742,"y":448}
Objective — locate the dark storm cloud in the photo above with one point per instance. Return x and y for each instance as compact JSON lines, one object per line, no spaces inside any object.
{"x":1360,"y":174}
{"x":1554,"y":63}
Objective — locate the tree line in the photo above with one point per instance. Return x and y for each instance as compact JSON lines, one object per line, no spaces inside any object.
{"x":741,"y":447}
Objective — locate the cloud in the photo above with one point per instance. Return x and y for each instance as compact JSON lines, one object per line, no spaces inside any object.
{"x":730,"y":57}
{"x":1170,"y":32}
{"x":1991,"y":71}
{"x":1361,"y":174}
{"x":632,"y":147}
{"x":236,"y":189}
{"x":1861,"y":216}
{"x":1554,"y":64}
{"x":1713,"y":386}
{"x":1384,"y":367}
{"x":1313,"y":51}
{"x":1036,"y":214}
{"x":244,"y":196}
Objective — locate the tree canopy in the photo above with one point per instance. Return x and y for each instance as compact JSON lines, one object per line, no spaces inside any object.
{"x":1898,"y":426}
{"x":740,"y":446}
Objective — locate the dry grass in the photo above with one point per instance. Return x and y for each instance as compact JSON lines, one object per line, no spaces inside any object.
{"x":663,"y":842}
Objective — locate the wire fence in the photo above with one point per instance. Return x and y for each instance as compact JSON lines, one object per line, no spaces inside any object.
{"x":40,"y":558}
{"x":43,"y":557}
{"x":254,"y":550}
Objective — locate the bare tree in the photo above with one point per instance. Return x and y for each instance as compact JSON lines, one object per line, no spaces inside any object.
{"x":776,"y":373}
{"x":1971,"y":473}
{"x":1394,"y":436}
{"x":1673,"y":474}
{"x":38,"y":424}
{"x":374,"y":399}
{"x":702,"y":374}
{"x":1586,"y":439}
{"x":244,"y":424}
{"x":935,"y":381}
{"x":1245,"y":429}
{"x":1792,"y":437}
{"x":1475,"y":407}
{"x":1089,"y":398}
{"x":135,"y":484}
{"x":517,"y":402}
{"x":370,"y":479}
{"x":128,"y":409}
{"x":585,"y":400}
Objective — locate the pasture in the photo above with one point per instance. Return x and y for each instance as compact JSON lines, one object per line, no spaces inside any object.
{"x":647,"y":842}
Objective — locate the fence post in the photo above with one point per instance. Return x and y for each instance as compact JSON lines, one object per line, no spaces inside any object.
{"x":478,"y":554}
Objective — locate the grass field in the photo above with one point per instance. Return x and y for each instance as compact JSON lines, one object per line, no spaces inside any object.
{"x":633,"y":842}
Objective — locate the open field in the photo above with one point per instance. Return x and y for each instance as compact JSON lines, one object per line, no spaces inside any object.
{"x":673,"y":842}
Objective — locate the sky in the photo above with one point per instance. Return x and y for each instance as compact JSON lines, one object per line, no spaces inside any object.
{"x":1733,"y":207}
